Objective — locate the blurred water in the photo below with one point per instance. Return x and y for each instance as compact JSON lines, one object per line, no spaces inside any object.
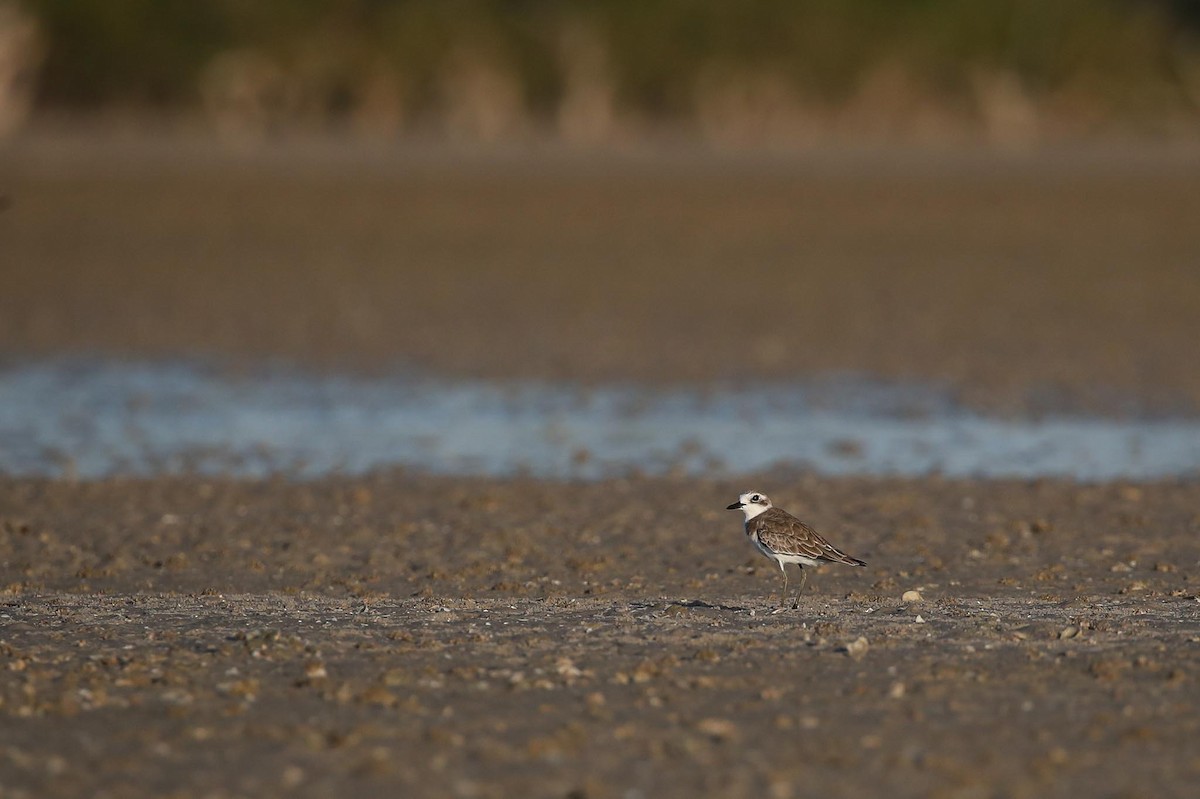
{"x":96,"y":417}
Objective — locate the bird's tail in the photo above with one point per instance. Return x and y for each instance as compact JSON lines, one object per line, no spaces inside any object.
{"x":838,"y":556}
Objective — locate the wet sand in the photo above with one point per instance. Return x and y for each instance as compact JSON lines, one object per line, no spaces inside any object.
{"x":465,"y":637}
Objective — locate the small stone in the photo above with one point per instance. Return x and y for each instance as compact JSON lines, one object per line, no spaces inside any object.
{"x":567,"y":669}
{"x":378,"y":695}
{"x":292,"y":777}
{"x":393,"y":677}
{"x":897,"y":690}
{"x":719,"y":729}
{"x":920,"y":619}
{"x":858,"y":647}
{"x":625,"y":732}
{"x":781,"y":789}
{"x":1068,"y":632}
{"x":911,"y":596}
{"x":1130,"y":493}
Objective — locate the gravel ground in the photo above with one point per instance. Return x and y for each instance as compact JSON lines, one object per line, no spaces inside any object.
{"x":438,"y":637}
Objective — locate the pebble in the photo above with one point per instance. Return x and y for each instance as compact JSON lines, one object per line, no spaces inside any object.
{"x":720,"y":729}
{"x":567,"y":669}
{"x":292,"y":777}
{"x":858,"y":647}
{"x":911,"y":596}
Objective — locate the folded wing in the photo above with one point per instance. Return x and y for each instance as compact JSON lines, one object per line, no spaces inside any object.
{"x":782,"y":532}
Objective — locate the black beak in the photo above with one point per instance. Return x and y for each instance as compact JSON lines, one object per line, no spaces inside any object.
{"x":734,"y":506}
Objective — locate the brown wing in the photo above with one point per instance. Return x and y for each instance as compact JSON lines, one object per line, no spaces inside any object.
{"x":783,"y":532}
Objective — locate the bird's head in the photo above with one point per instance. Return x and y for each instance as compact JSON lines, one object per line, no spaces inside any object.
{"x":751,"y":503}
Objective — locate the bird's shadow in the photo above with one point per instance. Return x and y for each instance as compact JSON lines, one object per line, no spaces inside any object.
{"x":664,"y":608}
{"x":700,"y":603}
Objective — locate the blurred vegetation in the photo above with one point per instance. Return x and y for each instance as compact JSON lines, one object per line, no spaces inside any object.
{"x":488,"y":68}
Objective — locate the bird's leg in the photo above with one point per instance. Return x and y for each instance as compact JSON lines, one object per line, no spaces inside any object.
{"x":803,"y":580}
{"x":783,"y":595}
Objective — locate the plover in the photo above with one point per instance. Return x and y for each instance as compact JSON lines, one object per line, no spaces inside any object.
{"x":785,"y":539}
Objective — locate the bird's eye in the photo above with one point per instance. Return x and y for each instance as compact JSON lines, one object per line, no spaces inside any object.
{"x":756,"y":498}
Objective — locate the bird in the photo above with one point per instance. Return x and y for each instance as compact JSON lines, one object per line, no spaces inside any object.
{"x":785,"y":539}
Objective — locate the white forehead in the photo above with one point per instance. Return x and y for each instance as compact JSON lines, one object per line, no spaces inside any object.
{"x":748,"y":497}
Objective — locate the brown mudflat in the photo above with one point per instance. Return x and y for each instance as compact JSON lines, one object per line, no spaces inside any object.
{"x":1005,"y":275}
{"x":420,"y":636}
{"x":403,"y":635}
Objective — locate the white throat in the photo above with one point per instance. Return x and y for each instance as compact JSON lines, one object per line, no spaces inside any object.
{"x":752,"y":510}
